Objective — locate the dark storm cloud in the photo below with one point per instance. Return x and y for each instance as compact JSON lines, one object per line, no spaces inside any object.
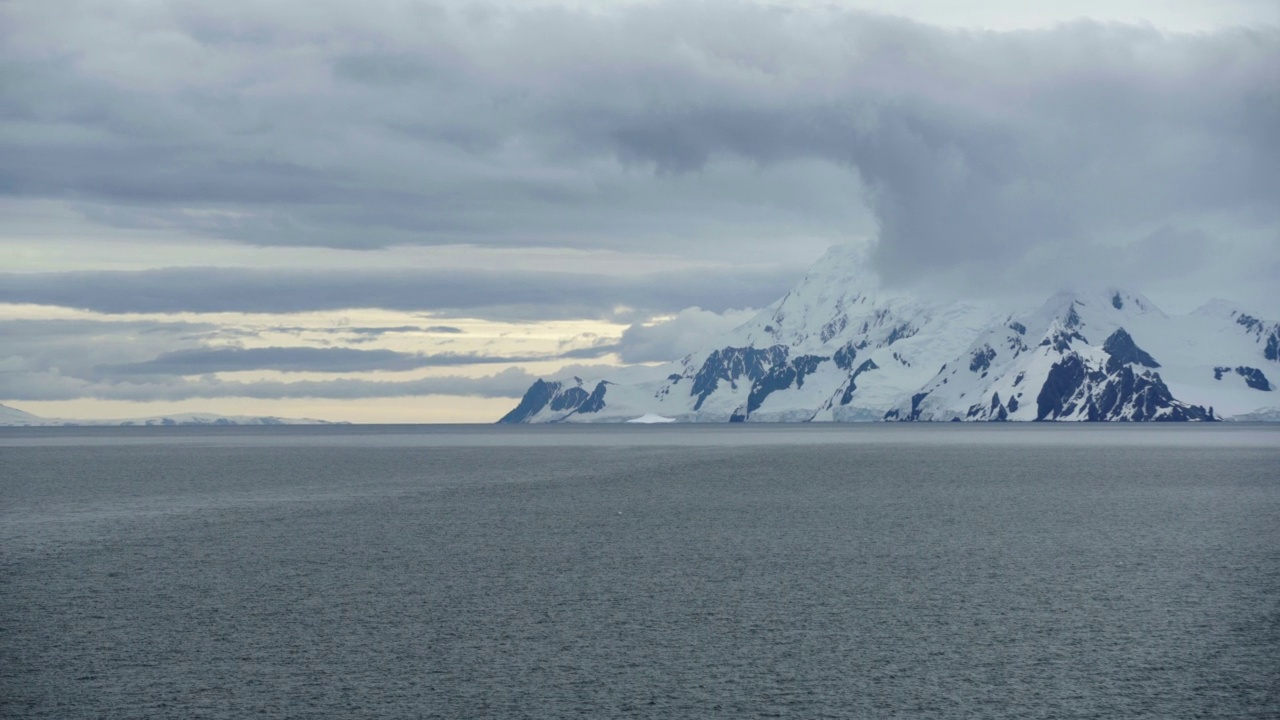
{"x":201,"y":361}
{"x":721,"y":126}
{"x":493,"y":294}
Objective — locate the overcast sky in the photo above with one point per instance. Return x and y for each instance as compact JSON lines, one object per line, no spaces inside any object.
{"x":406,"y":211}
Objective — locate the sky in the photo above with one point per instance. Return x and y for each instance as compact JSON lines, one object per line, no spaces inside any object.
{"x":393,"y":211}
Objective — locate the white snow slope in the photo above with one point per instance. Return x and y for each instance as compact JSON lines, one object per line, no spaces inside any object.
{"x":837,"y":348}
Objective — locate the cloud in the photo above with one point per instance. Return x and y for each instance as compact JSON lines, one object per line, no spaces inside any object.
{"x":493,"y":294}
{"x":589,"y":353}
{"x":146,"y":360}
{"x":369,"y":334}
{"x":29,"y":329}
{"x":391,"y":330}
{"x":671,"y":338}
{"x":75,"y":347}
{"x":511,"y":382}
{"x":205,"y":360}
{"x":720,"y":128}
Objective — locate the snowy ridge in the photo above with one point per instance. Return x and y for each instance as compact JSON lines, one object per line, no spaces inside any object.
{"x":837,"y":348}
{"x":1045,"y":366}
{"x":11,"y":416}
{"x":1262,"y":415}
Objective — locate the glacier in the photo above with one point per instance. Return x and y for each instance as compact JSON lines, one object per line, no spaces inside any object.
{"x":839,"y":348}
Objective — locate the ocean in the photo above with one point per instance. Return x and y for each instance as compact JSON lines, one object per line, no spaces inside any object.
{"x":735,"y":571}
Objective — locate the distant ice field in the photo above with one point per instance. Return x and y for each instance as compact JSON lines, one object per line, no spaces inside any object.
{"x":706,"y":571}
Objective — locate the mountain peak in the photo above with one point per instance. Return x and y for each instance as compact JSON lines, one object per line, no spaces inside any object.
{"x":840,"y":285}
{"x":1105,"y":298}
{"x":1218,"y":308}
{"x":848,"y":263}
{"x":838,"y":347}
{"x":14,"y":416}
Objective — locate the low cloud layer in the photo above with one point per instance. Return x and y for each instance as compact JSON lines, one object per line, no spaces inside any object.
{"x":674,"y":337}
{"x":511,"y":382}
{"x":511,"y":295}
{"x":206,"y":360}
{"x":725,"y":127}
{"x":150,"y":360}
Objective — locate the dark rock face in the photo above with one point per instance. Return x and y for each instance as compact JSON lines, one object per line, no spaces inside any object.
{"x":730,"y":364}
{"x":1072,"y":390}
{"x":1061,"y":339}
{"x":852,"y":385}
{"x":781,"y":377}
{"x":845,"y":356}
{"x":1270,"y":337}
{"x":982,"y":358}
{"x":1018,"y":328}
{"x":1117,"y":302}
{"x":1016,"y":345}
{"x":1064,"y":380}
{"x":1249,"y":322}
{"x":915,"y":404}
{"x":901,"y":332}
{"x":543,"y":394}
{"x":1124,"y":351}
{"x":1254,"y":378}
{"x":993,"y":412}
{"x":569,"y":399}
{"x":1073,"y":318}
{"x":834,"y":328}
{"x":594,"y":403}
{"x":915,"y":409}
{"x":535,"y":398}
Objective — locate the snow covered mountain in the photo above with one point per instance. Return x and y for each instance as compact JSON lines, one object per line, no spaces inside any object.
{"x":13,"y":417}
{"x":837,"y":348}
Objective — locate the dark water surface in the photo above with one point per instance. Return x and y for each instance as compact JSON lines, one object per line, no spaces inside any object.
{"x":665,"y":572}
